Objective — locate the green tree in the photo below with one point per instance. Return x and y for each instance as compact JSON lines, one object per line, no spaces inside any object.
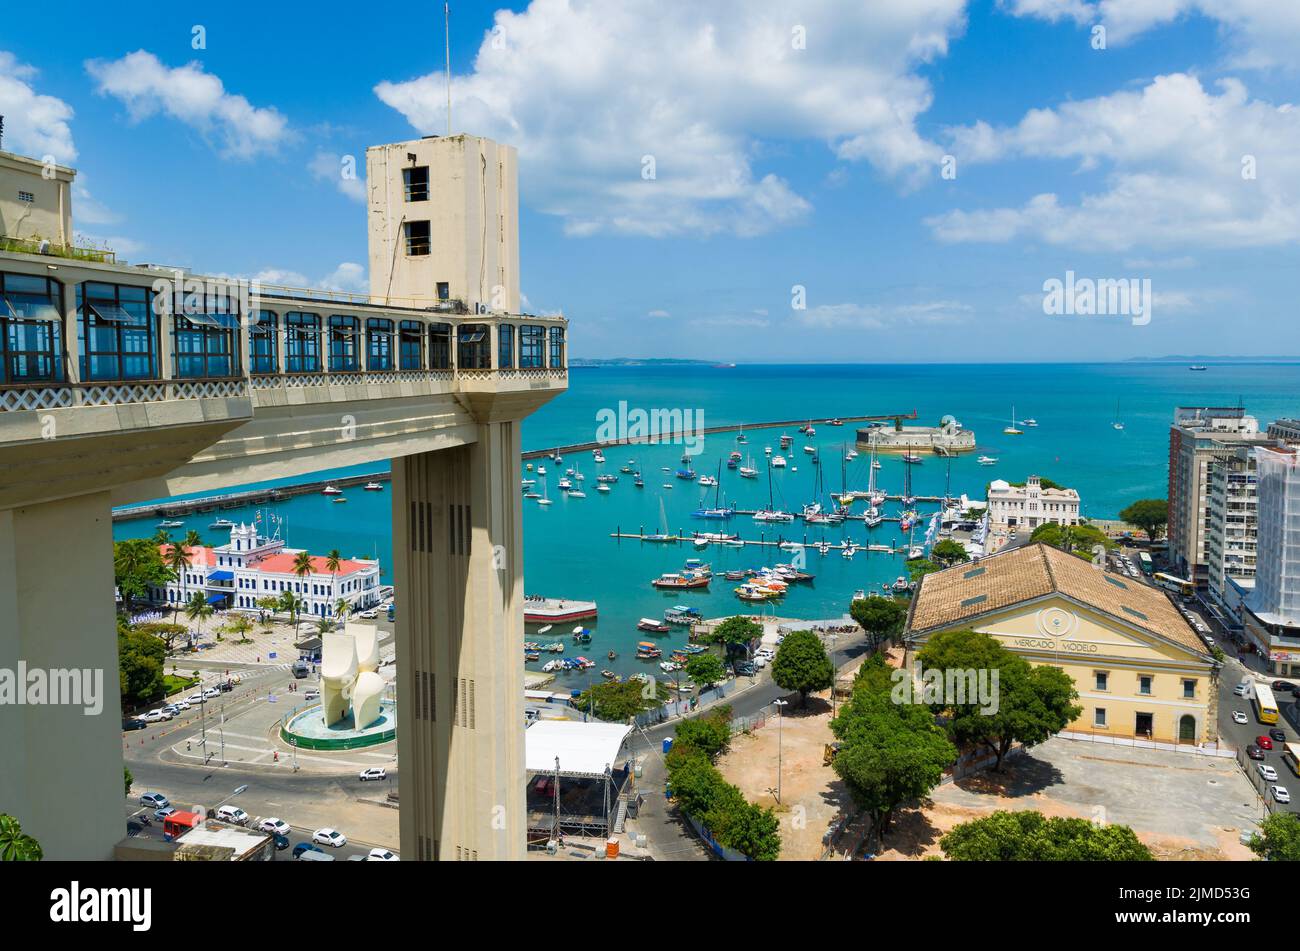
{"x":948,"y":552}
{"x":735,"y":634}
{"x":266,"y":606}
{"x":128,"y":779}
{"x":705,"y":669}
{"x":693,"y":780}
{"x":1077,"y":539}
{"x":1032,"y":837}
{"x":140,"y":659}
{"x":177,"y":558}
{"x":15,"y":844}
{"x":342,"y":608}
{"x":1278,"y":839}
{"x":890,"y":753}
{"x":615,"y":702}
{"x":1150,"y":515}
{"x":710,"y":734}
{"x":302,"y":567}
{"x":918,"y":568}
{"x":741,"y":825}
{"x":198,"y":609}
{"x":875,"y":674}
{"x":802,"y":664}
{"x":291,"y":605}
{"x":166,"y":632}
{"x":137,"y":567}
{"x":1029,"y":704}
{"x":882,"y":618}
{"x":240,"y":625}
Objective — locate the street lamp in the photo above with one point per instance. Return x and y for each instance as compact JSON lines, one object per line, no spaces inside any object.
{"x":779,"y":704}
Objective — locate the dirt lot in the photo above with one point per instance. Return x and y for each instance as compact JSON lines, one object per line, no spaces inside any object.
{"x":1184,"y":808}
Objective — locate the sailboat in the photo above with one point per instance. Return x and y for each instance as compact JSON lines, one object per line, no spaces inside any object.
{"x":1011,"y":429}
{"x":662,"y":535}
{"x":545,"y":499}
{"x":875,"y":495}
{"x":747,"y":471}
{"x":717,"y":512}
{"x":1117,"y":424}
{"x":771,"y":513}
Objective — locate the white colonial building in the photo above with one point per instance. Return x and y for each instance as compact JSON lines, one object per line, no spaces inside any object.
{"x":1031,"y":505}
{"x":253,"y":566}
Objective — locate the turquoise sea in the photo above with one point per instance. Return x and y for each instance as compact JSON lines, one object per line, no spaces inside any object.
{"x":568,"y":549}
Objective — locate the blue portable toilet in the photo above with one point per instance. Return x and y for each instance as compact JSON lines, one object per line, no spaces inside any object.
{"x":668,"y":744}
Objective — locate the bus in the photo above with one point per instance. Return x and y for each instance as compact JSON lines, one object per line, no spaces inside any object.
{"x":1291,"y":754}
{"x":1265,"y":705}
{"x":1171,"y":583}
{"x":1144,"y":562}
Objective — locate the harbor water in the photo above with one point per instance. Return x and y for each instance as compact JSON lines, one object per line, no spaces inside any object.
{"x":568,"y":548}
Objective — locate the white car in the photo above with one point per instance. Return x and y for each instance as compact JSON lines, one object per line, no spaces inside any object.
{"x":277,"y":826}
{"x":760,"y":661}
{"x":336,"y":839}
{"x":154,"y":716}
{"x":1239,"y":717}
{"x":383,"y":855}
{"x":374,"y":772}
{"x":1268,"y":772}
{"x":1241,"y":690}
{"x":368,"y":615}
{"x":181,"y":704}
{"x":211,"y":692}
{"x":1279,"y":793}
{"x":232,"y":814}
{"x":194,"y":698}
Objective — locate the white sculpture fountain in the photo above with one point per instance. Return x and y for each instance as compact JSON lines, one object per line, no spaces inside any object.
{"x":349,"y":676}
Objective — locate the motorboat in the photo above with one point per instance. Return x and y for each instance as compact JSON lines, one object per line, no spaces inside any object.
{"x":338,"y":499}
{"x":331,"y":490}
{"x":707,"y":481}
{"x":171,"y":523}
{"x":681,"y":614}
{"x":769,"y":515}
{"x":778,"y":462}
{"x":221,"y":523}
{"x":987,"y":460}
{"x":767,"y":450}
{"x":687,"y":475}
{"x":373,"y":487}
{"x":650,"y":625}
{"x":810,"y":449}
{"x":603,"y":487}
{"x":1029,"y":422}
{"x":674,"y":580}
{"x":541,"y":470}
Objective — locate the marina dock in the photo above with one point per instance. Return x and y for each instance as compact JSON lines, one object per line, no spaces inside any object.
{"x":174,"y":508}
{"x":679,"y":538}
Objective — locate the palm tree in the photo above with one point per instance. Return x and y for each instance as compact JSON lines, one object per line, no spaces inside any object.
{"x":193,"y":539}
{"x":342,"y":608}
{"x":332,"y":561}
{"x":302,"y":567}
{"x":198,"y":609}
{"x":291,"y":604}
{"x":324,"y":625}
{"x":178,"y":560}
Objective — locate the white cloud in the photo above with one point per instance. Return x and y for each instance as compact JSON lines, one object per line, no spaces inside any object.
{"x":1260,"y":33}
{"x":35,"y":125}
{"x":340,"y":171}
{"x":197,"y":98}
{"x":658,"y":313}
{"x":348,"y":276}
{"x":880,"y":317}
{"x":1173,"y":155}
{"x":699,"y":87}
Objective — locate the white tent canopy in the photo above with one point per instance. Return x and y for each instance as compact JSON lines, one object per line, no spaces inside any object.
{"x":584,"y":749}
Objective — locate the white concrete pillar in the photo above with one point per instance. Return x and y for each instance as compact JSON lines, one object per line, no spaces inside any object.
{"x":458,"y":558}
{"x":61,"y":775}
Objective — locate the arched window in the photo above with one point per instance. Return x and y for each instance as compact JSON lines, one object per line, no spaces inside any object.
{"x":440,"y":346}
{"x":263,"y":342}
{"x":505,"y":346}
{"x":532,"y":340}
{"x":344,"y":345}
{"x":379,"y":344}
{"x":302,"y":342}
{"x":118,"y":331}
{"x":31,"y":329}
{"x":474,"y":350}
{"x":410,"y":345}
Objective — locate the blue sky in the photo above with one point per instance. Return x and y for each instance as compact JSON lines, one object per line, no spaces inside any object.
{"x":794,"y":145}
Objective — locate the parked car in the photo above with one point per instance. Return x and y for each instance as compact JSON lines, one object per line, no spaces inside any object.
{"x":281,"y":842}
{"x":1239,"y":717}
{"x":372,"y":772}
{"x":304,"y":847}
{"x":370,"y":615}
{"x":336,"y":839}
{"x":272,"y":824}
{"x":746,"y":670}
{"x":1254,"y":752}
{"x":1263,"y":742}
{"x":154,"y":800}
{"x":381,"y":855}
{"x":157,"y":716}
{"x":133,"y":723}
{"x":212,"y":692}
{"x":181,"y":704}
{"x":226,"y":686}
{"x":1280,"y":794}
{"x":1241,"y":690}
{"x":163,"y":813}
{"x":1281,"y":685}
{"x":1277,"y":735}
{"x":196,"y":697}
{"x":311,"y":695}
{"x":232,"y":814}
{"x":1267,"y":772}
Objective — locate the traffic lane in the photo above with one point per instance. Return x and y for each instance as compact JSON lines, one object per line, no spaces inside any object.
{"x":1242,"y":735}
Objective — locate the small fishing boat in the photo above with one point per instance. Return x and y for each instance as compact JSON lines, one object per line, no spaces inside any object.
{"x":582,"y":635}
{"x":564,"y":485}
{"x":651,"y":626}
{"x":612,"y":655}
{"x":577,"y":493}
{"x":603,"y":487}
{"x":810,"y":449}
{"x":639,"y":482}
{"x":686,"y":474}
{"x":340,"y":498}
{"x":527,"y":482}
{"x":331,"y":490}
{"x":681,"y":614}
{"x":707,"y":481}
{"x":607,"y":477}
{"x":1029,"y":422}
{"x":672,"y":580}
{"x":531,"y":656}
{"x":1197,"y":366}
{"x":647,"y":649}
{"x":734,"y":575}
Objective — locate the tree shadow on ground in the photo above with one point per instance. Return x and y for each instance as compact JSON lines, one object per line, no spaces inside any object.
{"x":1022,"y":775}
